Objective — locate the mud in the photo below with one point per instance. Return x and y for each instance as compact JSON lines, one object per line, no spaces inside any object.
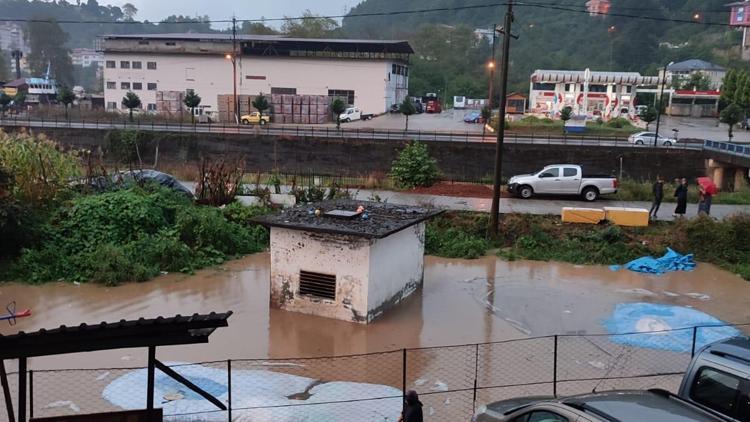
{"x":460,"y":302}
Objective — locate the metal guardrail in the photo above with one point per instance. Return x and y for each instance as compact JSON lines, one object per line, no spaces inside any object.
{"x":728,"y":147}
{"x":331,"y":132}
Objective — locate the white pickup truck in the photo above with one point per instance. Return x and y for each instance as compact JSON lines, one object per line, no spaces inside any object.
{"x":562,"y":179}
{"x":354,"y":113}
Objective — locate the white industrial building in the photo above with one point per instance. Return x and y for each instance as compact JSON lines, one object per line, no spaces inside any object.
{"x":593,"y":94}
{"x":85,"y":57}
{"x":372,"y":75}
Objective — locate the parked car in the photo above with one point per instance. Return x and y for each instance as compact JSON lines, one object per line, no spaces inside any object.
{"x":647,"y":138}
{"x":255,"y":119}
{"x":718,"y":378}
{"x":562,"y":179}
{"x":474,"y":117}
{"x":623,"y":406}
{"x":352,"y":114}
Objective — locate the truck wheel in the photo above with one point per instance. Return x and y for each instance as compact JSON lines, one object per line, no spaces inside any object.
{"x":347,"y":120}
{"x":245,"y":122}
{"x":525,"y":192}
{"x":639,"y":142}
{"x":667,"y":144}
{"x":590,"y":194}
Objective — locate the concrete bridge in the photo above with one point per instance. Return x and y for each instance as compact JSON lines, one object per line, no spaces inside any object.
{"x":728,"y":163}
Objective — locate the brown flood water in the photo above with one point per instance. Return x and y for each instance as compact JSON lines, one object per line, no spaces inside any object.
{"x":461,"y":302}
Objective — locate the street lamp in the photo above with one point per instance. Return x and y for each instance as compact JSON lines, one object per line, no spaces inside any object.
{"x":233,"y":59}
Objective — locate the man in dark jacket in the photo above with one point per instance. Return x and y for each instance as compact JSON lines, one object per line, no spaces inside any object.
{"x":658,"y":191}
{"x":412,"y":408}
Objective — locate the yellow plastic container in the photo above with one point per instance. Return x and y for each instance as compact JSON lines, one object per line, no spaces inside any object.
{"x":582,"y":215}
{"x":631,"y":217}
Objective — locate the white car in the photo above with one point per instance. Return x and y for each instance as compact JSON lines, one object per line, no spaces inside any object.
{"x":647,"y":138}
{"x":562,"y":179}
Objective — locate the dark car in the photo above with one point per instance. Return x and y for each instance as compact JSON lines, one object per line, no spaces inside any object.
{"x":474,"y":117}
{"x":622,"y":406}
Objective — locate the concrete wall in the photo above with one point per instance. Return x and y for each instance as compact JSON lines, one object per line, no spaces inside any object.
{"x":457,"y":160}
{"x":396,"y":269}
{"x":211,"y":76}
{"x":346,"y":257}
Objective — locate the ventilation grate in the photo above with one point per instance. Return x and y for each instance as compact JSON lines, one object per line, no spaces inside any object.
{"x":317,"y":284}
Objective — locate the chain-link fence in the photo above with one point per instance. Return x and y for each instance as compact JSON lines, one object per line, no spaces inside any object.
{"x":452,"y":381}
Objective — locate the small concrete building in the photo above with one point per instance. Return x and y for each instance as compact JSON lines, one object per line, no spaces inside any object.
{"x":332,"y":260}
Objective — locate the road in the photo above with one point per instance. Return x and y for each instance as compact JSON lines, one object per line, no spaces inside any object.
{"x":332,"y":132}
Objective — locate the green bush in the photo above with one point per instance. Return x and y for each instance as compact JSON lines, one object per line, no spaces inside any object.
{"x":134,"y":234}
{"x":414,"y":167}
{"x":618,"y":123}
{"x":454,"y":243}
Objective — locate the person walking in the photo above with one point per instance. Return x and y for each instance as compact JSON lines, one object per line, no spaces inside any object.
{"x":681,"y":193}
{"x":412,"y":408}
{"x":658,"y":191}
{"x":704,"y":201}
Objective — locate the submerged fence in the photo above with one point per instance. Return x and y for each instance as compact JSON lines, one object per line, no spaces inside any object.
{"x":452,"y":381}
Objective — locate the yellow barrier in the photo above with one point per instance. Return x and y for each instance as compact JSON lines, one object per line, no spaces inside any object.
{"x":582,"y":215}
{"x":631,"y":217}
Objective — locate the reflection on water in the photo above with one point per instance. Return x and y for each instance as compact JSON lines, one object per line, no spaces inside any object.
{"x":461,"y":302}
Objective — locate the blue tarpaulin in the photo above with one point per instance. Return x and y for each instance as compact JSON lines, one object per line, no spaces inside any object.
{"x":671,"y":261}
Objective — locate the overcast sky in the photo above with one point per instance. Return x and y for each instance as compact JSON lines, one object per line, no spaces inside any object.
{"x":155,"y":10}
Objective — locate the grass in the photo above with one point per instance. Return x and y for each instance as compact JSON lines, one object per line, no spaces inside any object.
{"x":631,"y":190}
{"x":544,"y":126}
{"x":546,"y":238}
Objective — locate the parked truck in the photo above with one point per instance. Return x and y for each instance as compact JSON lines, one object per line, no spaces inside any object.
{"x":562,"y":179}
{"x":352,"y":114}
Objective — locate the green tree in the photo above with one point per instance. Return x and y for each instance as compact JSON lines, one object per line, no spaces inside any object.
{"x":729,"y":85}
{"x":257,"y":28}
{"x":19,"y":100}
{"x":129,"y":10}
{"x":5,"y":100}
{"x":731,"y":115}
{"x":192,"y":100}
{"x":338,"y":107}
{"x":66,"y":97}
{"x":566,"y":114}
{"x":486,"y":116}
{"x":697,"y":81}
{"x":48,"y":41}
{"x":309,"y":26}
{"x":261,"y":104}
{"x":648,"y":115}
{"x":131,"y":101}
{"x":3,"y":67}
{"x":407,"y":108}
{"x":414,"y":167}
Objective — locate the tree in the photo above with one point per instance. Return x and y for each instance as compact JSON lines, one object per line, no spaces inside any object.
{"x":309,"y":26}
{"x":566,"y":114}
{"x":338,"y":107}
{"x":129,"y":10}
{"x":47,"y":42}
{"x":729,"y":86}
{"x":486,"y":116}
{"x":3,"y":68}
{"x":414,"y":167}
{"x":697,"y":81}
{"x":648,"y":115}
{"x":407,"y":109}
{"x":131,"y":101}
{"x":192,"y":100}
{"x":731,"y":115}
{"x":5,"y":99}
{"x":19,"y":100}
{"x":257,"y":28}
{"x":261,"y":104}
{"x":66,"y":97}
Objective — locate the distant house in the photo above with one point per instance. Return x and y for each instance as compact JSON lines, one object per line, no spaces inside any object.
{"x":515,"y":103}
{"x":686,"y":68}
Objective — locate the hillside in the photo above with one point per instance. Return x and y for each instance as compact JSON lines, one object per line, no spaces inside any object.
{"x":560,"y":39}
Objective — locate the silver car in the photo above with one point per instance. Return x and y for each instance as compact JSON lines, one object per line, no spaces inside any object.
{"x":647,"y":138}
{"x":622,"y":406}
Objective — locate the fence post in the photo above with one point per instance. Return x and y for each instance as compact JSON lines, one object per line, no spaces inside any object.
{"x":554,"y":371}
{"x":695,"y":335}
{"x":229,"y":390}
{"x":476,"y":375}
{"x":31,"y":394}
{"x":403,"y":372}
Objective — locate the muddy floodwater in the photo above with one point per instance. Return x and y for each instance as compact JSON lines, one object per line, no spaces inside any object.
{"x":461,"y":302}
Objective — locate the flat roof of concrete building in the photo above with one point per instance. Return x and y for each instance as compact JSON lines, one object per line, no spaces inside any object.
{"x":383,"y":219}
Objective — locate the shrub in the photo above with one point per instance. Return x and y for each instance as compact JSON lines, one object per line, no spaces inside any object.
{"x":618,"y":123}
{"x":414,"y":167}
{"x":454,"y":243}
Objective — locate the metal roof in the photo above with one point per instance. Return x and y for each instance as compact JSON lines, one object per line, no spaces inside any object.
{"x":124,"y":334}
{"x":694,"y":64}
{"x":393,"y":46}
{"x":579,"y":76}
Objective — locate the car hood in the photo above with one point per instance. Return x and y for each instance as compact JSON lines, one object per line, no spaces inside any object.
{"x":519,"y":176}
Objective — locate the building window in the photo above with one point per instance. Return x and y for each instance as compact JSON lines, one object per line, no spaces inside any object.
{"x":283,"y":91}
{"x":137,"y":65}
{"x":629,"y":89}
{"x":543,"y":87}
{"x":393,"y":69}
{"x":151,"y":86}
{"x":151,"y":65}
{"x":111,"y":105}
{"x":347,"y":95}
{"x":111,"y":64}
{"x":190,"y":74}
{"x":124,"y":85}
{"x":597,"y":88}
{"x":143,"y":42}
{"x":151,"y":107}
{"x":111,"y":85}
{"x":170,"y":43}
{"x":137,"y":86}
{"x":124,"y":65}
{"x":317,"y":285}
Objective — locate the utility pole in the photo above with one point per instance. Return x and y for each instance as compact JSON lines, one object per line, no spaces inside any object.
{"x":234,"y":71}
{"x":17,"y":55}
{"x":495,"y":210}
{"x":660,"y":104}
{"x":491,"y":65}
